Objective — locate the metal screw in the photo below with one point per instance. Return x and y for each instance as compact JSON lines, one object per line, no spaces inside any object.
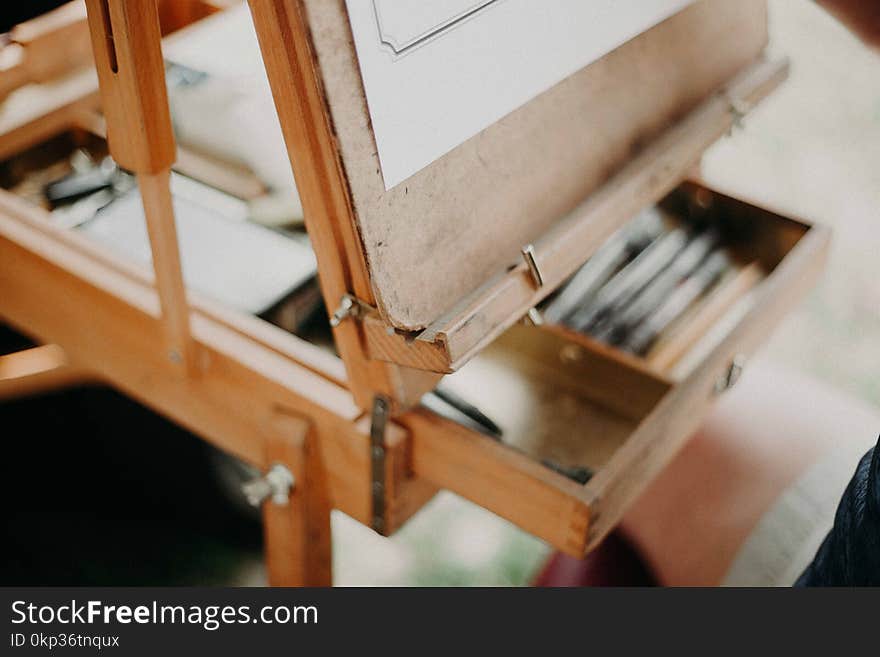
{"x":344,"y":311}
{"x":277,"y":483}
{"x":175,"y":356}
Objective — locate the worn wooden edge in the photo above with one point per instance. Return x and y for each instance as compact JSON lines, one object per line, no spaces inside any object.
{"x":479,"y":319}
{"x":675,"y":419}
{"x":388,"y":344}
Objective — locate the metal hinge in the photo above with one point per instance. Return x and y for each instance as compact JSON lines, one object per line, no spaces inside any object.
{"x":378,"y":424}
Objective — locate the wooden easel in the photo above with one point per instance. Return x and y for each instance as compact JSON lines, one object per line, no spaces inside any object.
{"x":348,"y":432}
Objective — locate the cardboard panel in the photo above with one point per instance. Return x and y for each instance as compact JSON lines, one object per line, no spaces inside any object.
{"x":439,"y":235}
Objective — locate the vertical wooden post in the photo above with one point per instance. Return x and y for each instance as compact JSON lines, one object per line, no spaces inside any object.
{"x":131,"y":73}
{"x":297,"y":535}
{"x":311,"y":146}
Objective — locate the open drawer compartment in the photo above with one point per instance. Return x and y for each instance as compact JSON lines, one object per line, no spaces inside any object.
{"x":566,"y":402}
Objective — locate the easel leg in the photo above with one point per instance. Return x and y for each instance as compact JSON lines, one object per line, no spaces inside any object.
{"x":297,"y":535}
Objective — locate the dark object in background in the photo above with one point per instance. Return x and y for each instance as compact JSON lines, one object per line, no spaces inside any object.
{"x":614,"y":562}
{"x":578,"y":473}
{"x":14,"y":13}
{"x":99,"y":490}
{"x":850,"y":554}
{"x":482,"y":422}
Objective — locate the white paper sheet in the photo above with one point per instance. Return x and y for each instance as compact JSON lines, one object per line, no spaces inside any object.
{"x":437,"y":72}
{"x":238,"y":263}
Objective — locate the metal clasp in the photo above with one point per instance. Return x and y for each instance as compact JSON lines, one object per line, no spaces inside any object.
{"x":528,"y":254}
{"x":732,"y":376}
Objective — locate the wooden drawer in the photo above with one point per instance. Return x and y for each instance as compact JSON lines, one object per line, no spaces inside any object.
{"x":562,"y":397}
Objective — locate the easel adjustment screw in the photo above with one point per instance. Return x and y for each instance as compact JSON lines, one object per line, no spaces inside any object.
{"x":277,"y":483}
{"x":349,"y":306}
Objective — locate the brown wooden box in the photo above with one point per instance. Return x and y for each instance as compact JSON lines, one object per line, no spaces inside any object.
{"x":557,"y":395}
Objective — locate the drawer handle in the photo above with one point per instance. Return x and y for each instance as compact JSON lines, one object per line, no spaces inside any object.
{"x":732,"y":375}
